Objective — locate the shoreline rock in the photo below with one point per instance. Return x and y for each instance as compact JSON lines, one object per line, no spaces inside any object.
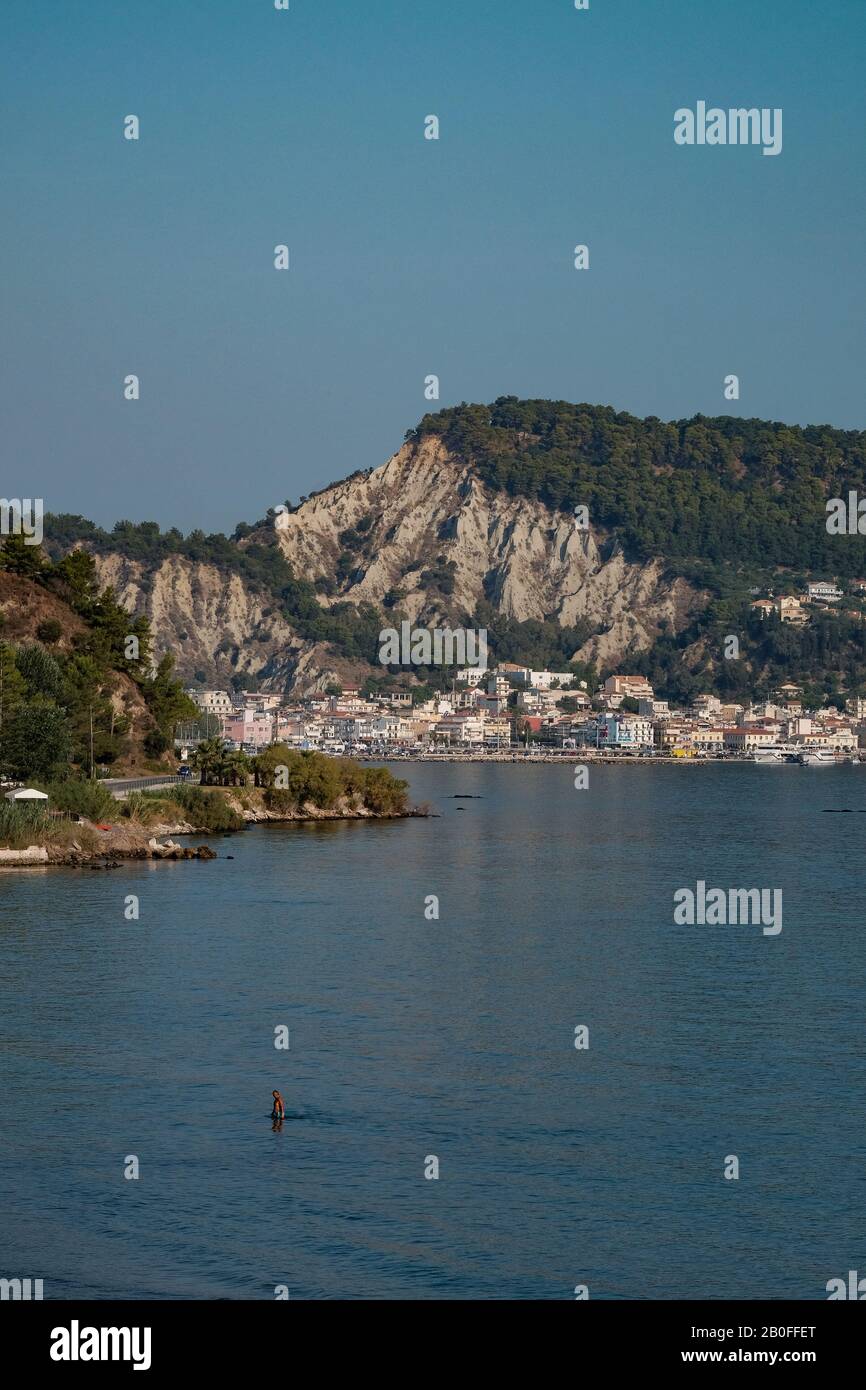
{"x":131,"y":841}
{"x":33,"y":854}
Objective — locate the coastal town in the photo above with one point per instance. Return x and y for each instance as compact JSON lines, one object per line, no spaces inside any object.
{"x":515,"y":711}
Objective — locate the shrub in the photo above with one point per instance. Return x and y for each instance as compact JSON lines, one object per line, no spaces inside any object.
{"x":139,"y":807}
{"x":316,"y":780}
{"x":50,"y":630}
{"x":156,"y":742}
{"x":90,"y":799}
{"x":319,"y":782}
{"x":206,"y":810}
{"x":382,"y":792}
{"x":279,"y":799}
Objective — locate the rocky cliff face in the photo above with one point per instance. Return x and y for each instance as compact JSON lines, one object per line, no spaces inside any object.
{"x":424,"y":534}
{"x":211,"y":622}
{"x":427,"y":510}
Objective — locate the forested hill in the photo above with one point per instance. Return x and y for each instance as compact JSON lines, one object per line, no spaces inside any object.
{"x":708,"y":490}
{"x":704,"y":490}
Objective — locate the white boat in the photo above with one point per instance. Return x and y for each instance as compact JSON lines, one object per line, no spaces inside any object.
{"x":775,"y":754}
{"x":817,"y":757}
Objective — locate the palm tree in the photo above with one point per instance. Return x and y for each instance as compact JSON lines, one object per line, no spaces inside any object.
{"x":208,"y":758}
{"x":234,"y":770}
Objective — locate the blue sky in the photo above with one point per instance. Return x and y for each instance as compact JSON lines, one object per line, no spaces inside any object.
{"x":409,"y":256}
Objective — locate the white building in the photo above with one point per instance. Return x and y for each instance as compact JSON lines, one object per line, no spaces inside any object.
{"x":212,"y":701}
{"x":497,"y":732}
{"x":462,"y":729}
{"x":824,"y":592}
{"x":254,"y":701}
{"x":542,"y":680}
{"x":618,"y":731}
{"x":498,"y":684}
{"x":471,"y":676}
{"x":707,"y":706}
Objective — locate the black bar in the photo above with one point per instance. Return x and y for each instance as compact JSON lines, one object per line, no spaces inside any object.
{"x":282,"y":1335}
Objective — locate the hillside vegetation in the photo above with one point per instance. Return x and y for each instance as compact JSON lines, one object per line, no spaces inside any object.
{"x":78,"y":687}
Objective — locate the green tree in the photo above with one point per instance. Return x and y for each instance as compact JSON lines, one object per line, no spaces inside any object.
{"x":77,"y":575}
{"x":166,"y":698}
{"x":35,"y":742}
{"x":235,"y":769}
{"x":208,"y":758}
{"x":41,"y":671}
{"x":156,"y":743}
{"x":265,"y":764}
{"x":12,"y":686}
{"x":19,"y":557}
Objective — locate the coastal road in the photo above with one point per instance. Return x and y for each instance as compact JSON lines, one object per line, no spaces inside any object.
{"x":121,"y":786}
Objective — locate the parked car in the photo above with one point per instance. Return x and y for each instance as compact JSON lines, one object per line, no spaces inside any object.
{"x":184,"y":770}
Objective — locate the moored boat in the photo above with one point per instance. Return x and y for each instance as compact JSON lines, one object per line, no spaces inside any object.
{"x":775,"y":755}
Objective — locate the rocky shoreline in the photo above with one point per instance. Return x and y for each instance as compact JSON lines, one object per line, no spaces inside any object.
{"x":113,"y":847}
{"x":107,"y":848}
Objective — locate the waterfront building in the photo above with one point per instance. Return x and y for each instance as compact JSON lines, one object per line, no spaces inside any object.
{"x":746,"y":738}
{"x":463,"y":727}
{"x":674,"y":735}
{"x":253,"y":700}
{"x":709,"y":739}
{"x":497,"y":733}
{"x":730,"y":714}
{"x":491,"y":705}
{"x":619,"y":731}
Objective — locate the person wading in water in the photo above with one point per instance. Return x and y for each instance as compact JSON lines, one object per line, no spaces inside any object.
{"x":279,"y":1110}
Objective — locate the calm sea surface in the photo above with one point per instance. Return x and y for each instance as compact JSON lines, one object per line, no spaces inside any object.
{"x":455,"y":1038}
